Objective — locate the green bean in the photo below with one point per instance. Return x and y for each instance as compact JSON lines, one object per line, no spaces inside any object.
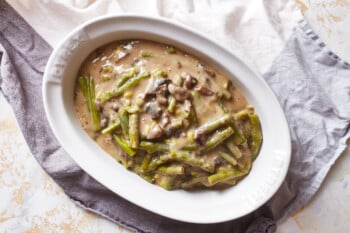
{"x":156,"y":73}
{"x":238,"y":137}
{"x":228,"y":158}
{"x":178,"y":80}
{"x":218,"y":138}
{"x":191,"y":159}
{"x":172,"y":104}
{"x":145,"y":163}
{"x":124,"y":122}
{"x":84,"y":88}
{"x":255,"y":134}
{"x":165,"y":182}
{"x":212,"y":125}
{"x":124,"y":145}
{"x":117,"y":91}
{"x":190,"y":147}
{"x":170,"y":49}
{"x":152,"y":147}
{"x":125,"y":77}
{"x":193,"y":116}
{"x":244,"y":113}
{"x":134,"y":130}
{"x":224,"y":176}
{"x":94,"y":113}
{"x":146,"y":53}
{"x":183,"y":157}
{"x":234,"y":149}
{"x":111,"y":127}
{"x":175,"y":169}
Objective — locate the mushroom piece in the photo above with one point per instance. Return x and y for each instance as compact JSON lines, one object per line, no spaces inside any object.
{"x":190,"y":81}
{"x":156,"y":132}
{"x":164,"y":121}
{"x":104,"y":122}
{"x":153,"y":109}
{"x":179,"y":93}
{"x":204,"y":90}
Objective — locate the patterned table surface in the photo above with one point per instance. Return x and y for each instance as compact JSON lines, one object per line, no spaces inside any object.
{"x":32,"y":202}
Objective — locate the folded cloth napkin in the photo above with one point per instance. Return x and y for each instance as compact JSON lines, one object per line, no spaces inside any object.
{"x":311,"y":83}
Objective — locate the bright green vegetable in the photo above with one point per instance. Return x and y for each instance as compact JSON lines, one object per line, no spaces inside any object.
{"x":234,"y":149}
{"x":212,"y":125}
{"x":125,"y":77}
{"x":175,"y":169}
{"x":172,"y":104}
{"x":124,"y":145}
{"x":154,"y":146}
{"x":146,"y":54}
{"x":117,"y":91}
{"x":91,"y":103}
{"x":124,"y":122}
{"x":134,"y":130}
{"x":170,"y":49}
{"x":255,"y":134}
{"x":115,"y":125}
{"x":218,"y":138}
{"x":224,"y":176}
{"x":228,"y":158}
{"x":84,"y":88}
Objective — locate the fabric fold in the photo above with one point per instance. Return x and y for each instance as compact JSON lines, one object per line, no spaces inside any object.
{"x":311,"y":83}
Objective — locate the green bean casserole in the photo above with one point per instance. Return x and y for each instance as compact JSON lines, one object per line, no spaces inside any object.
{"x":167,"y":116}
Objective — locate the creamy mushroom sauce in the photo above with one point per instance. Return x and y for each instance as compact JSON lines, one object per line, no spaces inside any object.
{"x":181,"y":125}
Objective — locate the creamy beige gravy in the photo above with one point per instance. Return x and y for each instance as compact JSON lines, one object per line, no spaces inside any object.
{"x":106,"y":65}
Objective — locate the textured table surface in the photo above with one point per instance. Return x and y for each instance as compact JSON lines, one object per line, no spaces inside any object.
{"x":32,"y":202}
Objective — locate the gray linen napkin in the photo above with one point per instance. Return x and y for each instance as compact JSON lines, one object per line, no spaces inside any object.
{"x":312,"y":84}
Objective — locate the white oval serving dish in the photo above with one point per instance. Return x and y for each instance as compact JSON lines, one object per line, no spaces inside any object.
{"x":269,"y":169}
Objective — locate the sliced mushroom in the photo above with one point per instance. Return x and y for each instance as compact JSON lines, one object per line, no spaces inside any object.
{"x":165,"y":120}
{"x":162,"y":100}
{"x":179,"y":93}
{"x":104,"y":122}
{"x":156,"y":132}
{"x":204,"y":90}
{"x":153,"y":109}
{"x":190,"y":81}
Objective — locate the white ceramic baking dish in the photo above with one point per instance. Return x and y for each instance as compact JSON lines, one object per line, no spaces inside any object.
{"x":269,"y":169}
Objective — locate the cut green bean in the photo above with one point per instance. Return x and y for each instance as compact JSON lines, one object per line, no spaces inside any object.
{"x":190,"y":147}
{"x":154,"y":146}
{"x":145,"y":162}
{"x":255,"y":134}
{"x":117,"y":91}
{"x":234,"y":149}
{"x":124,"y":145}
{"x":224,"y":176}
{"x":170,"y":49}
{"x":212,"y":125}
{"x":125,"y":77}
{"x":193,"y":116}
{"x":146,"y":54}
{"x":165,"y":182}
{"x":134,"y":130}
{"x":94,"y":113}
{"x":175,"y":169}
{"x":228,"y":158}
{"x":84,"y":88}
{"x":124,"y":122}
{"x":172,"y":104}
{"x":112,"y":127}
{"x":218,"y":138}
{"x":156,"y":73}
